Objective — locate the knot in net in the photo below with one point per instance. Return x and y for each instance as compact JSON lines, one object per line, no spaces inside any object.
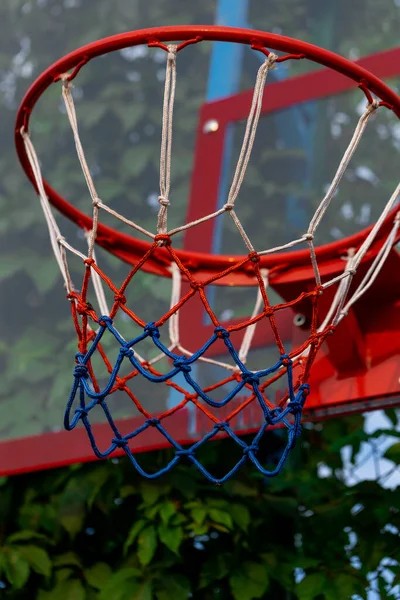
{"x":182,"y":364}
{"x":126,"y":352}
{"x":221,"y":332}
{"x":253,"y":448}
{"x":121,"y":298}
{"x":220,"y":404}
{"x":105,"y":321}
{"x":81,"y":371}
{"x":152,"y":330}
{"x":81,"y":413}
{"x":120,"y":442}
{"x":252,"y":378}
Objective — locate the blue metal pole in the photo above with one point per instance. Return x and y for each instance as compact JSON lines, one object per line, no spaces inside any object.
{"x":224,"y":80}
{"x":226,"y":59}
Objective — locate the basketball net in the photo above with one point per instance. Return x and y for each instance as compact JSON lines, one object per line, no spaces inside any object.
{"x":93,"y":318}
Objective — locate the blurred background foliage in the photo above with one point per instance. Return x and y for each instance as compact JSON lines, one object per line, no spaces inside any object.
{"x":96,"y":531}
{"x":100,"y":532}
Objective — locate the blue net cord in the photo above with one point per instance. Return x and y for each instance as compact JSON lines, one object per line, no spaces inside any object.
{"x":86,"y":395}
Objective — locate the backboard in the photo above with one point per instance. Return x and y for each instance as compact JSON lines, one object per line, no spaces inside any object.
{"x":307,"y":115}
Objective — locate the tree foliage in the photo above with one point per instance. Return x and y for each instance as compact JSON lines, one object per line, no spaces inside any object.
{"x":98,"y":531}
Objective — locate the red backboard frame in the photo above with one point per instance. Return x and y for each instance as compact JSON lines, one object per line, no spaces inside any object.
{"x":352,"y":369}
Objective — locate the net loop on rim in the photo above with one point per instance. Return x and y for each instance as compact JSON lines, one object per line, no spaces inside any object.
{"x":255,"y":45}
{"x":241,"y":385}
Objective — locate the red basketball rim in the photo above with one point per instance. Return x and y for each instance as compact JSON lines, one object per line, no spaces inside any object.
{"x":129,"y":248}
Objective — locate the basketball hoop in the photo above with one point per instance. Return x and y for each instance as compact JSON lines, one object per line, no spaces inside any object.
{"x":190,"y":273}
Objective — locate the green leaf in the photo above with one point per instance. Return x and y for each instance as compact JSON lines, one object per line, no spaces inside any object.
{"x":250,"y":580}
{"x":391,"y":414}
{"x":393,"y":453}
{"x":133,"y":533}
{"x":171,"y":537}
{"x":178,"y":519}
{"x":147,"y":545}
{"x":345,"y":585}
{"x":127,"y":490}
{"x":198,"y":514}
{"x":73,"y":523}
{"x":37,"y":558}
{"x":151,"y":511}
{"x":120,"y":584}
{"x":72,"y":508}
{"x":221,"y":517}
{"x":144,"y":592}
{"x":372,"y":552}
{"x":221,"y":528}
{"x":200,"y":529}
{"x":311,"y":586}
{"x":63,"y":574}
{"x":150,"y":492}
{"x":26,"y":535}
{"x":167,"y":511}
{"x":98,"y":575}
{"x":214,"y":569}
{"x":241,"y":515}
{"x":67,"y":559}
{"x":16,"y":568}
{"x":174,"y":587}
{"x":385,"y":432}
{"x":70,"y":589}
{"x":95,"y":482}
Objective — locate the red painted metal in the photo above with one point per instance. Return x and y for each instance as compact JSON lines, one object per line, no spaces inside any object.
{"x":57,"y":449}
{"x":53,"y":450}
{"x":131,"y":249}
